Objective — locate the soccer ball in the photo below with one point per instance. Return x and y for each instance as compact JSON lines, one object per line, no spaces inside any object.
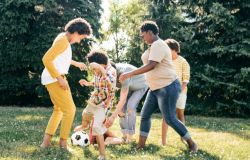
{"x":80,"y":138}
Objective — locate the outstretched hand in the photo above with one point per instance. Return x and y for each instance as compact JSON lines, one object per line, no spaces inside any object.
{"x":83,"y":82}
{"x":82,"y":66}
{"x":109,"y":122}
{"x":124,"y":76}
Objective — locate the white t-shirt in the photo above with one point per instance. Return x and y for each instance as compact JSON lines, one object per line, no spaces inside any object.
{"x":164,"y":73}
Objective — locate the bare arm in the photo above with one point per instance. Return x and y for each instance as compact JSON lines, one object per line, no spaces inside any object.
{"x":185,"y":74}
{"x":98,"y":66}
{"x":56,"y":49}
{"x":148,"y":67}
{"x":122,"y":101}
{"x":80,"y":65}
{"x":83,"y":82}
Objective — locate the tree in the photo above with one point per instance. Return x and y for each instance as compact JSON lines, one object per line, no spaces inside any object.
{"x":27,"y":29}
{"x":214,"y":39}
{"x":219,"y":54}
{"x":124,"y":24}
{"x":135,"y":13}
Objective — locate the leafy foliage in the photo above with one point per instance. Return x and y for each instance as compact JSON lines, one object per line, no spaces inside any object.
{"x":27,"y":30}
{"x":124,"y":24}
{"x":219,"y":55}
{"x":214,"y":39}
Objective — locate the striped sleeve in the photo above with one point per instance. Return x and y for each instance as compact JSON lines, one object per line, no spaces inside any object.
{"x":185,"y":71}
{"x":58,"y":47}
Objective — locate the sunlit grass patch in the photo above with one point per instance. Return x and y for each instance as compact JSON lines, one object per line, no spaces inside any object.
{"x":22,"y":129}
{"x":27,"y":149}
{"x":29,"y":118}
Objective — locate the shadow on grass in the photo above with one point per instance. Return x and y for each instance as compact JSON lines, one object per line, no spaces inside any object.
{"x":88,"y":153}
{"x":131,"y":149}
{"x":53,"y":152}
{"x":151,"y":149}
{"x":35,"y":152}
{"x":236,"y":126}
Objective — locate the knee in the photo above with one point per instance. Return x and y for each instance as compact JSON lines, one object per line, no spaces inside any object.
{"x":145,"y":117}
{"x":170,"y":120}
{"x":58,"y":112}
{"x":71,"y":110}
{"x":131,"y":111}
{"x":85,"y":124}
{"x":70,"y":114}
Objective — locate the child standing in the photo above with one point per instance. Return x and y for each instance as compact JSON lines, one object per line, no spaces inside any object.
{"x":101,"y":98}
{"x":57,"y":61}
{"x":182,"y":69}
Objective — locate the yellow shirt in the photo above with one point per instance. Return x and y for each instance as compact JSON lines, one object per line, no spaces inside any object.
{"x":164,"y":73}
{"x":57,"y":59}
{"x":182,"y":69}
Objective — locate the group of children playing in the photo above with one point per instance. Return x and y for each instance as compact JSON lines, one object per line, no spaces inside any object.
{"x":57,"y":61}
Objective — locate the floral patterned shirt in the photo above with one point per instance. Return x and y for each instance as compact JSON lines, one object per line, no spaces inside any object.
{"x":104,"y":88}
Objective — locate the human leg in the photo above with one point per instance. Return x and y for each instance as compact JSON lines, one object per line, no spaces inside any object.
{"x":164,"y":130}
{"x":180,"y":106}
{"x":167,"y":98}
{"x":132,"y":104}
{"x":150,"y":105}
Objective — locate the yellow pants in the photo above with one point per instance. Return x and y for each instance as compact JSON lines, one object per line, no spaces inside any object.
{"x":64,"y":110}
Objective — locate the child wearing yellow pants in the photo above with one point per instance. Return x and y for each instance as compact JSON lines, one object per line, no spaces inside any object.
{"x":57,"y":61}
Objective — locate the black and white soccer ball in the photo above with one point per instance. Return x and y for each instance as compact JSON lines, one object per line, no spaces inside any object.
{"x":80,"y":138}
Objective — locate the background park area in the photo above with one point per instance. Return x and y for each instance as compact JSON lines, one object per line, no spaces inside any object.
{"x":215,"y":40}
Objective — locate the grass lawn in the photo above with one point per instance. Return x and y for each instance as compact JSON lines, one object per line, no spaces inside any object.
{"x":21,"y":132}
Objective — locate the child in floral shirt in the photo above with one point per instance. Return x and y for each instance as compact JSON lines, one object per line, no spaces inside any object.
{"x":101,"y":98}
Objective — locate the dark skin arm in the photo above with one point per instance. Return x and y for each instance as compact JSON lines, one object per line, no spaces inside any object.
{"x":148,"y":67}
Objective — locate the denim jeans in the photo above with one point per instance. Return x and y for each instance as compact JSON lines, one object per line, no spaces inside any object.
{"x":127,"y":123}
{"x":165,"y":99}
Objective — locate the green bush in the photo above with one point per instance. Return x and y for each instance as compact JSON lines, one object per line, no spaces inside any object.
{"x":27,"y":30}
{"x":214,"y":38}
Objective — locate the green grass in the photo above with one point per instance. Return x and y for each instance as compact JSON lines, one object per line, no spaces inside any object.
{"x":21,"y":132}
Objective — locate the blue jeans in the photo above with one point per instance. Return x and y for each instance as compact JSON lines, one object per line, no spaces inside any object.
{"x":127,"y":123}
{"x":165,"y":99}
